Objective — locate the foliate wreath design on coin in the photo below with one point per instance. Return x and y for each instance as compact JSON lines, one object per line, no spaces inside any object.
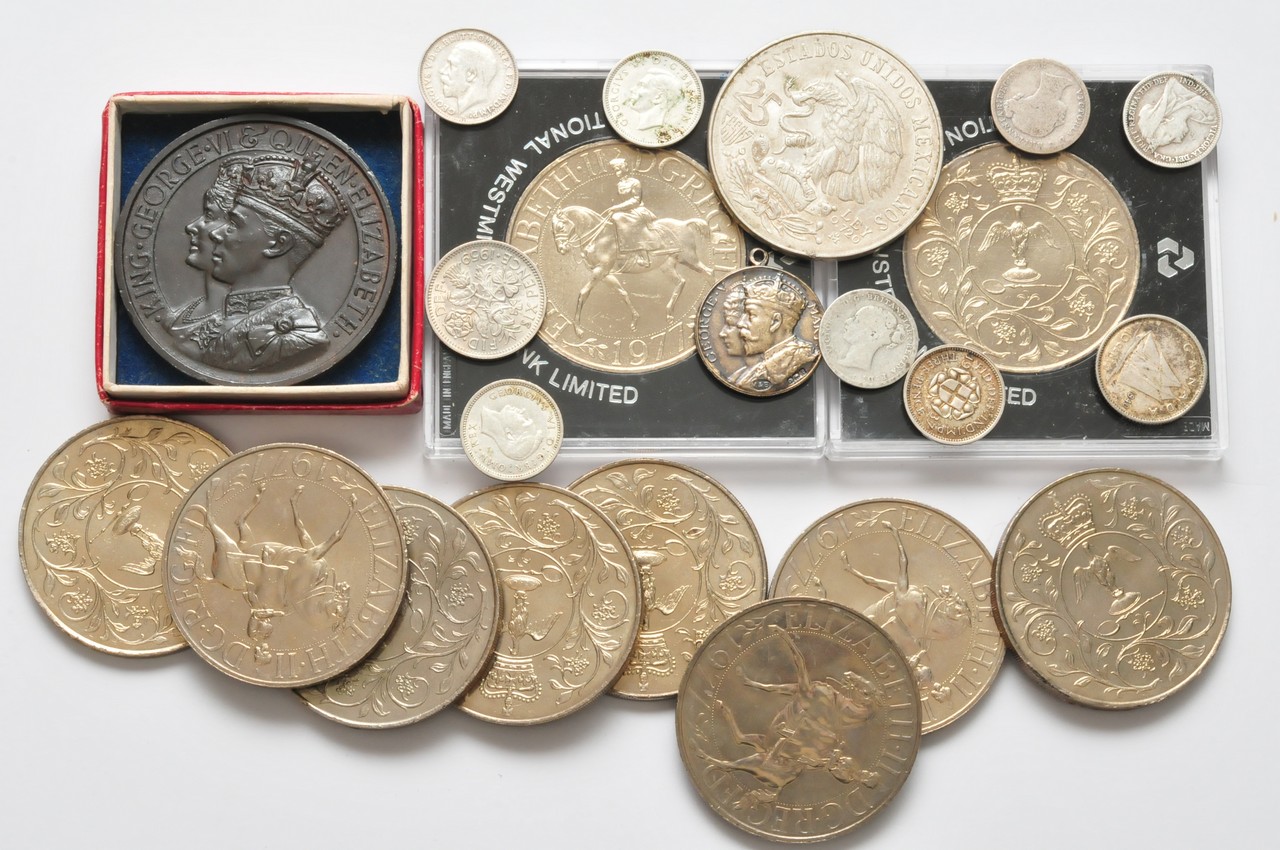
{"x":1031,"y":261}
{"x":92,"y":531}
{"x":681,"y":526}
{"x":954,"y":394}
{"x":1113,"y":588}
{"x":544,"y":543}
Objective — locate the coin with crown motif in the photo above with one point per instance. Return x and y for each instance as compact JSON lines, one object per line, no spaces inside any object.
{"x":255,"y":250}
{"x":1113,"y":588}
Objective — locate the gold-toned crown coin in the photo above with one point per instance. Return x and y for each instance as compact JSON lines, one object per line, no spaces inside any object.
{"x":1151,"y":369}
{"x":699,"y":555}
{"x":1113,"y":588}
{"x":1029,"y":260}
{"x":442,"y":636}
{"x":921,"y":576}
{"x":798,"y":720}
{"x":92,"y":530}
{"x":571,"y":602}
{"x":284,"y":566}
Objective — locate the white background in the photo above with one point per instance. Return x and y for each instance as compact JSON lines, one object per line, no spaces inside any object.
{"x":102,"y":752}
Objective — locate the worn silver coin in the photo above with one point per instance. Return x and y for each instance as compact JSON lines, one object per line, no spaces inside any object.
{"x":1040,"y":106}
{"x":511,"y":429}
{"x":868,"y":338}
{"x":1172,"y":119}
{"x":653,"y":99}
{"x":468,"y":76}
{"x":486,"y":299}
{"x":255,"y":250}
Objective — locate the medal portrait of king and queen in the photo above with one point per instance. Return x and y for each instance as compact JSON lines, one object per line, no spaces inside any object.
{"x":263,"y":217}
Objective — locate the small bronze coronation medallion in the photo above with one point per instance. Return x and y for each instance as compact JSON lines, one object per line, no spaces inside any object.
{"x":921,"y":576}
{"x":798,"y":720}
{"x":485,"y":299}
{"x":255,"y":250}
{"x":468,"y":76}
{"x":284,"y":566}
{"x":1029,"y":260}
{"x":953,"y":395}
{"x":442,"y":637}
{"x":653,"y":99}
{"x":1040,"y":106}
{"x":570,"y":600}
{"x":825,"y":145}
{"x":629,"y":243}
{"x":92,"y":530}
{"x":1172,"y":119}
{"x":1151,"y":369}
{"x":1113,"y":588}
{"x":758,"y":331}
{"x":699,"y":555}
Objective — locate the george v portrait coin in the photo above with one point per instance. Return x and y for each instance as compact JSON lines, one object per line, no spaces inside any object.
{"x":255,"y":250}
{"x":468,"y":76}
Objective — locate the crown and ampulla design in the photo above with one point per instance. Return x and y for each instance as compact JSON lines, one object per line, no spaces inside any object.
{"x":1016,"y":181}
{"x":291,"y":193}
{"x":1069,"y":522}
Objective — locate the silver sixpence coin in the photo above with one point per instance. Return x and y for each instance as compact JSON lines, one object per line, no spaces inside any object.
{"x":1172,"y":119}
{"x":468,"y":76}
{"x":511,"y":430}
{"x":486,"y":299}
{"x":1040,"y":106}
{"x":868,"y":338}
{"x":255,"y":250}
{"x":653,"y":99}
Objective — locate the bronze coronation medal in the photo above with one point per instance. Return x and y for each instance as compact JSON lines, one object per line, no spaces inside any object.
{"x":699,"y":555}
{"x":1113,"y":588}
{"x":798,"y":720}
{"x":442,"y":637}
{"x":255,"y":250}
{"x":570,"y":600}
{"x":629,"y":243}
{"x":285,"y":566}
{"x":1029,"y":260}
{"x":92,"y":531}
{"x":922,"y":577}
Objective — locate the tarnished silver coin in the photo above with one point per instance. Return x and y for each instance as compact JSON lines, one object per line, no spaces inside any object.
{"x":1113,"y":588}
{"x":511,"y":429}
{"x":468,"y":76}
{"x":868,"y":338}
{"x":1040,"y":106}
{"x":699,"y":555}
{"x":284,"y":566}
{"x":758,"y":331}
{"x":1151,"y":369}
{"x":255,"y":250}
{"x":653,"y":99}
{"x":92,"y":530}
{"x":442,"y":637}
{"x":486,"y":299}
{"x":825,"y":145}
{"x":921,"y":576}
{"x":570,"y":600}
{"x":1172,"y":119}
{"x":953,"y":395}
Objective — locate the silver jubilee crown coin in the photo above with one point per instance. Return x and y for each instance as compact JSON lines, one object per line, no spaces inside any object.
{"x":255,"y":250}
{"x":825,"y":145}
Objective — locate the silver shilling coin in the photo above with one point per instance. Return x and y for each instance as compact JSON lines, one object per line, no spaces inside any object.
{"x":868,"y":338}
